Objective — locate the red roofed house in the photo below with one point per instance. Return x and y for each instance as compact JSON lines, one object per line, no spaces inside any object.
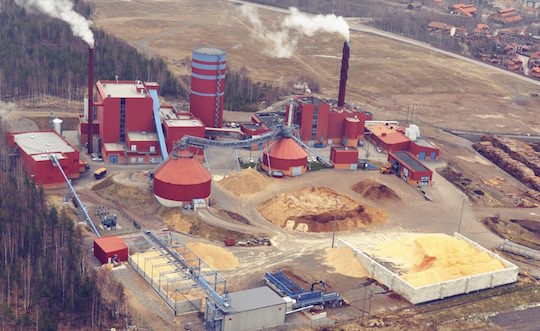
{"x":465,"y":10}
{"x":506,"y":17}
{"x":535,"y":72}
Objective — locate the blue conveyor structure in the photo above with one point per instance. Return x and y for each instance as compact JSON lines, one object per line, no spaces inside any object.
{"x":157,"y":122}
{"x":279,"y":282}
{"x":55,"y":162}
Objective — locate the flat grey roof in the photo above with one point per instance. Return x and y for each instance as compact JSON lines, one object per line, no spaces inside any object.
{"x":142,"y":136}
{"x":254,"y":298}
{"x":122,"y":90}
{"x":42,"y":142}
{"x":113,"y":147}
{"x":408,"y":159}
{"x":423,"y":142}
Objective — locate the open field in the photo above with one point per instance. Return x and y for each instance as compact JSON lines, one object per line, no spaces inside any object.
{"x":385,"y":75}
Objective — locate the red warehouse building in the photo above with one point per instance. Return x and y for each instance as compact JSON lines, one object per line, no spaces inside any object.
{"x":208,"y":69}
{"x":392,"y":138}
{"x":107,"y":248}
{"x":408,"y":167}
{"x":285,"y":156}
{"x":344,"y":157}
{"x":177,"y":125}
{"x":34,"y":150}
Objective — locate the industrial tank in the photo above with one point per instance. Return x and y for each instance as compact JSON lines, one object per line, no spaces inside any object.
{"x":180,"y":180}
{"x":208,"y":68}
{"x":286,"y":157}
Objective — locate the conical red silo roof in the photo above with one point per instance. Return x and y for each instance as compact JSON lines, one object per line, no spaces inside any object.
{"x":287,"y":149}
{"x":183,"y":171}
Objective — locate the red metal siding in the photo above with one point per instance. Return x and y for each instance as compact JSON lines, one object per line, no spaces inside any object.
{"x":416,"y":149}
{"x":144,"y":146}
{"x":103,"y":254}
{"x":336,"y":124}
{"x":322,"y":121}
{"x":184,"y":193}
{"x":175,"y":133}
{"x":139,"y":115}
{"x":413,"y":175}
{"x":109,"y":120}
{"x":306,"y":121}
{"x":340,"y":156}
{"x":204,"y":107}
{"x":283,"y":165}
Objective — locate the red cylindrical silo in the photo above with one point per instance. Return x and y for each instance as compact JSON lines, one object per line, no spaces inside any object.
{"x":208,"y":68}
{"x":352,"y":127}
{"x":181,"y":179}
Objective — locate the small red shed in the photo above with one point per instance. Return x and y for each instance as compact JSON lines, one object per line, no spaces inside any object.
{"x":107,"y":247}
{"x":344,"y":157}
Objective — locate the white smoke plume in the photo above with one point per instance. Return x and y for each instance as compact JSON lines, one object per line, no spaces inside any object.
{"x":63,"y":9}
{"x":283,"y":39}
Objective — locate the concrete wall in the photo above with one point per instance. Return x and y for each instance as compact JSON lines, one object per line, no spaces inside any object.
{"x":439,"y":290}
{"x":178,"y":307}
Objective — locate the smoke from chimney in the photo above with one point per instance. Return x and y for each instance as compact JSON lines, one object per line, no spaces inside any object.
{"x":284,"y":38}
{"x":344,"y":72}
{"x":90,"y":98}
{"x":63,"y":10}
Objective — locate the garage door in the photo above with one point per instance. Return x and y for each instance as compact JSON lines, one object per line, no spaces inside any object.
{"x":424,"y":181}
{"x":296,"y":171}
{"x":422,"y":156}
{"x":433,"y":156}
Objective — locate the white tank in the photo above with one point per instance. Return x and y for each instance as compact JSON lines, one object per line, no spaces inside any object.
{"x":57,"y":125}
{"x":412,"y":132}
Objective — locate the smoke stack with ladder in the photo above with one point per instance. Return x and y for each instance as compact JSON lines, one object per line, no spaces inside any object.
{"x":90,"y":97}
{"x":343,"y":76}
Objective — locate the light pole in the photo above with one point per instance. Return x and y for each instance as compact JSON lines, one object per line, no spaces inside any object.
{"x":461,"y":215}
{"x":334,"y":224}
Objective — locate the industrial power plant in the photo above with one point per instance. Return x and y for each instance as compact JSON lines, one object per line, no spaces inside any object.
{"x":314,"y":212}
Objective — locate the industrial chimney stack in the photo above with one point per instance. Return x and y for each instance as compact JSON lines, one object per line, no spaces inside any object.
{"x":90,"y":98}
{"x":343,"y":76}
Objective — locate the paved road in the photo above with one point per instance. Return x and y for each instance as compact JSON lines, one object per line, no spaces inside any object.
{"x":367,"y":29}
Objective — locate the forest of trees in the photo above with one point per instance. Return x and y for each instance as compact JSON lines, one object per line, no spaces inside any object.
{"x":39,"y":56}
{"x":45,"y":280}
{"x":242,"y":94}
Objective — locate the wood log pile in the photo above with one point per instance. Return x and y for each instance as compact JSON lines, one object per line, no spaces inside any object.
{"x":515,"y":157}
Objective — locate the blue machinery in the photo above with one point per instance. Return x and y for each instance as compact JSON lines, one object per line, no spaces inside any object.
{"x":287,"y":287}
{"x":157,"y":122}
{"x":80,"y":206}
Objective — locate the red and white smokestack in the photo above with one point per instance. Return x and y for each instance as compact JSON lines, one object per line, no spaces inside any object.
{"x":90,"y":98}
{"x":344,"y":71}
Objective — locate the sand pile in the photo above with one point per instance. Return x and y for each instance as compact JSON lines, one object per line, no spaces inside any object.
{"x":373,"y":190}
{"x":343,"y":261}
{"x":313,"y":209}
{"x":216,"y":257}
{"x":176,"y":220}
{"x":423,"y":259}
{"x":248,"y":181}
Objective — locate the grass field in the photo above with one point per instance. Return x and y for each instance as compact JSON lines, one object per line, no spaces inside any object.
{"x":386,"y":76}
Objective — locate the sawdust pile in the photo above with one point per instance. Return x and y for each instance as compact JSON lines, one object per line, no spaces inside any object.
{"x":248,"y":181}
{"x":344,"y":262}
{"x":216,"y":257}
{"x":375,"y":191}
{"x":423,"y":259}
{"x":131,"y":196}
{"x":176,"y":220}
{"x":313,"y":209}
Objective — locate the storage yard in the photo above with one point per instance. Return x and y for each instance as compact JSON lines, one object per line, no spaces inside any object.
{"x":347,"y":217}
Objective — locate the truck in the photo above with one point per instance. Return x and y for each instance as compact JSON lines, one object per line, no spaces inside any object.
{"x":100,"y":173}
